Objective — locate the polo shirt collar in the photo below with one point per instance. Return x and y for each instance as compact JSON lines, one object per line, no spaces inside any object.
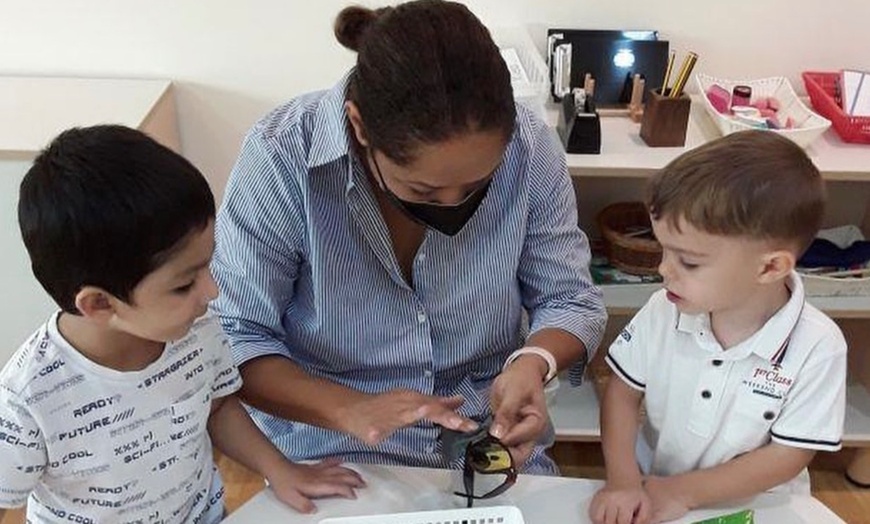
{"x":772,"y":337}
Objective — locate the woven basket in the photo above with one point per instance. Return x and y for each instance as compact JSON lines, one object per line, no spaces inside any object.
{"x":619,"y":224}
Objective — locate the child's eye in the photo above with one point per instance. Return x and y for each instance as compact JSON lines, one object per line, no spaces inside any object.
{"x":688,"y":265}
{"x":181,"y":290}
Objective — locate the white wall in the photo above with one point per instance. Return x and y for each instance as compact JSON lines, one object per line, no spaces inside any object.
{"x":233,"y":60}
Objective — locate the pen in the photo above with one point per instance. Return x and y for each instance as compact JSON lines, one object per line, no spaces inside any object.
{"x":685,"y":72}
{"x":668,"y":73}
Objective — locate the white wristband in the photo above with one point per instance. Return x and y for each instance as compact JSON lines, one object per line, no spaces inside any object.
{"x":535,"y":350}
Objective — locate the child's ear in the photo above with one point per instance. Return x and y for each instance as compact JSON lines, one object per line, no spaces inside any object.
{"x":359,"y":129}
{"x":95,"y":303}
{"x":776,"y":265}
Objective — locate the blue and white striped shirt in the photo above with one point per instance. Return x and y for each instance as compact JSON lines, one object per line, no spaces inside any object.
{"x":306,"y":270}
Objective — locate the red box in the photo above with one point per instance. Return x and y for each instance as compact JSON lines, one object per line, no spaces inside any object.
{"x":824,"y":92}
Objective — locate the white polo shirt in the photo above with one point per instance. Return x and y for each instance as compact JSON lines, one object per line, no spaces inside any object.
{"x":706,"y":405}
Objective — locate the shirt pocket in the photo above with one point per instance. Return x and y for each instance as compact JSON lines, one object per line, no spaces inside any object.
{"x":747,"y":427}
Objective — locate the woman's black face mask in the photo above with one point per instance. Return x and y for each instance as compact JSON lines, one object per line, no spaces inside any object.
{"x":448,"y":219}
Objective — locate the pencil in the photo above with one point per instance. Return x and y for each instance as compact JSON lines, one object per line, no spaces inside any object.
{"x":668,"y":73}
{"x":685,"y":72}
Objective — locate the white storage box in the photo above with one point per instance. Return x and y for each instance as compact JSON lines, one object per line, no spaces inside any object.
{"x":808,"y":125}
{"x":529,"y":77}
{"x":484,"y":515}
{"x":822,"y":286}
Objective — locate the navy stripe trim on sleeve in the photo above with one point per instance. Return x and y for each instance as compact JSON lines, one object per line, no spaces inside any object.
{"x":807,"y":440}
{"x":625,"y":376}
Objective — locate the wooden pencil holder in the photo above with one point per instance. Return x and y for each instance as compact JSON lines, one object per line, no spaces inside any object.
{"x":665,"y":120}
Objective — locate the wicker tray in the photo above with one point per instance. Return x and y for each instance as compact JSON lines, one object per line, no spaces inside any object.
{"x":485,"y":515}
{"x":620,"y":224}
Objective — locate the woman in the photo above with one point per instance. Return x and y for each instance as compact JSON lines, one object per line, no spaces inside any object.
{"x":379,"y":243}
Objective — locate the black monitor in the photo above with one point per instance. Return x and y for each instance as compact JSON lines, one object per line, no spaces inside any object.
{"x":613,"y":58}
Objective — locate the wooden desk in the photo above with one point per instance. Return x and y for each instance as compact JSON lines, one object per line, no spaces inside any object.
{"x":542,"y":500}
{"x":34,"y":110}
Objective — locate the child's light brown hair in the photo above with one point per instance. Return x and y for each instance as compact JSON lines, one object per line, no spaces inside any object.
{"x":753,"y":184}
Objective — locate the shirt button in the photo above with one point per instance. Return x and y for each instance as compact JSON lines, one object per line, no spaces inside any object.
{"x":717,"y":362}
{"x":768,"y":415}
{"x":421,"y":257}
{"x":706,"y":394}
{"x":421,"y":317}
{"x":427,"y":373}
{"x":430,"y":448}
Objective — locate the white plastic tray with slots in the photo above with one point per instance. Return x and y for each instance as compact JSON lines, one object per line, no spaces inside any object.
{"x":491,"y":515}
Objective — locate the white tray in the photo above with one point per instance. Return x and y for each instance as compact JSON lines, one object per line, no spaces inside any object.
{"x":809,"y":124}
{"x":485,"y":515}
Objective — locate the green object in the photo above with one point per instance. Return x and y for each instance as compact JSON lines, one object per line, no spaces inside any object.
{"x":746,"y":516}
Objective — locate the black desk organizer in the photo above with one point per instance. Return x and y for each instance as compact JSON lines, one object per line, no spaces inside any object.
{"x":579,"y":127}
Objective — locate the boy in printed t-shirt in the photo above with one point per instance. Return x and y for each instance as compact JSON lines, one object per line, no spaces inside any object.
{"x":108,"y":412}
{"x":742,"y":381}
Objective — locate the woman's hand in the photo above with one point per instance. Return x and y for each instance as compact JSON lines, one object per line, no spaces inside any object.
{"x":519,"y":407}
{"x":376,"y":417}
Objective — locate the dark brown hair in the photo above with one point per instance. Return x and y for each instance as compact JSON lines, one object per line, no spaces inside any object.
{"x":755,"y":184}
{"x":426,"y":71}
{"x":105,"y":206}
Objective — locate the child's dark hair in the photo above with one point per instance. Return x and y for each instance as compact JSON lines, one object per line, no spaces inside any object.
{"x":104,"y":206}
{"x":754,"y":184}
{"x":426,"y":71}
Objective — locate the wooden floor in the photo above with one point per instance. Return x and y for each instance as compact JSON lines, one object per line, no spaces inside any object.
{"x":585,"y":461}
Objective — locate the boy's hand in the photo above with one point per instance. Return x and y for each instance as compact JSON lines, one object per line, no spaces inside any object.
{"x":296,"y":484}
{"x":668,"y":503}
{"x":620,"y":505}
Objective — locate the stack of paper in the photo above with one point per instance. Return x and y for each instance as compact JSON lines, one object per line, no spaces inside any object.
{"x":855,"y":92}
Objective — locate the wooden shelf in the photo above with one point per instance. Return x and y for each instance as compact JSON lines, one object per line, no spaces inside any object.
{"x":36,"y":109}
{"x":856,"y":432}
{"x":624,"y":154}
{"x":626,"y":299}
{"x":575,"y":415}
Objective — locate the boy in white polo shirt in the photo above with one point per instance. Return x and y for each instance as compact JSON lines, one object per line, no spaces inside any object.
{"x":742,"y":381}
{"x":108,"y":412}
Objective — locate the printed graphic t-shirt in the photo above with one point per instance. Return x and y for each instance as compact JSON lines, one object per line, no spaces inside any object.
{"x":84,"y":443}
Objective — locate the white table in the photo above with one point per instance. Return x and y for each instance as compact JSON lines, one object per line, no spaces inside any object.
{"x":542,"y":500}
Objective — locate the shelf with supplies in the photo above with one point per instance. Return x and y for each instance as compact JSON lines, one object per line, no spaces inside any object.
{"x":620,"y":171}
{"x":624,"y":154}
{"x":575,"y":414}
{"x":626,"y":299}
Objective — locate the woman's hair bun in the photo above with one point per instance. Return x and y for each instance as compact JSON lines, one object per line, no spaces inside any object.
{"x":351,"y":25}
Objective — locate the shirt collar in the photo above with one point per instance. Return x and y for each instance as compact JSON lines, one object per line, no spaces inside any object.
{"x":331,"y":131}
{"x":775,"y":332}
